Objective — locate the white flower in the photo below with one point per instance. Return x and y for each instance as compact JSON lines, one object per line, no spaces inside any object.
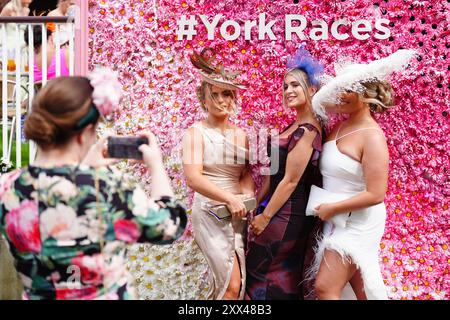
{"x":96,"y":227}
{"x":62,"y":223}
{"x":64,"y":189}
{"x":10,"y":200}
{"x":59,"y":187}
{"x":169,"y":227}
{"x":142,"y":204}
{"x":177,"y":271}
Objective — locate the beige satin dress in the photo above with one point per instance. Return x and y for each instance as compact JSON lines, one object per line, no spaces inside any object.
{"x":219,"y":240}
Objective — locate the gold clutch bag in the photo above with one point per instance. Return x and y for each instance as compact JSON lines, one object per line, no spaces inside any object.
{"x":221,"y":212}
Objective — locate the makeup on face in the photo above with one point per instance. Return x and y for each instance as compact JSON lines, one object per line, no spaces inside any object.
{"x":219,"y":99}
{"x":293,"y":92}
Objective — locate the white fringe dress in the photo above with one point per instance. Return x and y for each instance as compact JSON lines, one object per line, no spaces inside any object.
{"x":360,"y":239}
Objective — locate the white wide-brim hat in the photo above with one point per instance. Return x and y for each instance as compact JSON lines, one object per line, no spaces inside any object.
{"x":350,"y":77}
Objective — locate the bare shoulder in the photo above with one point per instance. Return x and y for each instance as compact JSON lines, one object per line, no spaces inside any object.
{"x":7,"y":10}
{"x":193,"y":129}
{"x":240,"y":131}
{"x":334,"y":130}
{"x":53,"y":13}
{"x":375,"y":137}
{"x":374,"y":141}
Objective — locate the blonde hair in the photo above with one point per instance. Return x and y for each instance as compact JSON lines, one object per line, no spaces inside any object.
{"x":302,"y":78}
{"x":204,"y":91}
{"x":378,"y":95}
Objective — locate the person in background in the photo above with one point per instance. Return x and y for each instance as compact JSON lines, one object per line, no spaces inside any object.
{"x":51,"y":54}
{"x":16,"y":8}
{"x":62,"y":9}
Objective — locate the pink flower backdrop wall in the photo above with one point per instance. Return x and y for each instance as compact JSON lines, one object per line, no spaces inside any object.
{"x":138,"y":39}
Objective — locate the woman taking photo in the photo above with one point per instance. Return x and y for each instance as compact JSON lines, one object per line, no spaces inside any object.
{"x":68,"y":217}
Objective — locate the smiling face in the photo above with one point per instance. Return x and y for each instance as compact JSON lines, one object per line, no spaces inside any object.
{"x":294,"y":95}
{"x":219,"y":102}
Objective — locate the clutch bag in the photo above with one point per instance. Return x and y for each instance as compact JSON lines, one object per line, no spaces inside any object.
{"x":318,"y":196}
{"x":221,"y":212}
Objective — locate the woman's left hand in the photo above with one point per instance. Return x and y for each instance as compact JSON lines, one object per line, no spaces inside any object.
{"x":325,"y":211}
{"x":259,"y":223}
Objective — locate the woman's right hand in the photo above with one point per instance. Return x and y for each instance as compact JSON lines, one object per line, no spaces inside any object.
{"x":97,"y":155}
{"x":151,"y":153}
{"x":236,"y":207}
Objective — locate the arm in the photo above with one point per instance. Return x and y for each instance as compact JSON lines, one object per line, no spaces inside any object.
{"x":375,"y":163}
{"x":246,"y":181}
{"x":193,"y":168}
{"x":135,"y":217}
{"x":7,"y":11}
{"x":138,"y":218}
{"x":296,"y":163}
{"x":193,"y":171}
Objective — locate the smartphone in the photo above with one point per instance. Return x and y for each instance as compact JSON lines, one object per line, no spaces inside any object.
{"x":125,"y":147}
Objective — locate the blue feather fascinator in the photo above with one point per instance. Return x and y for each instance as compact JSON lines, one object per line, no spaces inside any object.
{"x":304,"y":61}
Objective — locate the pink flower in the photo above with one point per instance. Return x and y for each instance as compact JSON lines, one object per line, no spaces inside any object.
{"x":91,"y":268}
{"x":107,"y":90}
{"x":87,"y":293}
{"x":126,"y":231}
{"x":22,"y":227}
{"x":7,"y":180}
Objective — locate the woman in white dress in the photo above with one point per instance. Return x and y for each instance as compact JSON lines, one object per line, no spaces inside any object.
{"x":355,"y":161}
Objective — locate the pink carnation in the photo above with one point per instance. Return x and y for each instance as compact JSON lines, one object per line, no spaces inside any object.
{"x":107,"y":90}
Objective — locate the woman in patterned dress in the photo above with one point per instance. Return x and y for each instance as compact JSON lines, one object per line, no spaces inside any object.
{"x":68,"y":217}
{"x":276,"y":257}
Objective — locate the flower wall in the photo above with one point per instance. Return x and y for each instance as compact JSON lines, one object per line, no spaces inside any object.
{"x":138,"y":39}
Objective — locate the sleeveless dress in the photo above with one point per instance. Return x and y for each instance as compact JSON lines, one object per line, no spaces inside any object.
{"x":219,"y":240}
{"x":51,"y":70}
{"x":276,"y":258}
{"x":360,"y":239}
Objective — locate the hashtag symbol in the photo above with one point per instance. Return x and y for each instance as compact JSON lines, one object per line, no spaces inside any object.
{"x":186,"y":27}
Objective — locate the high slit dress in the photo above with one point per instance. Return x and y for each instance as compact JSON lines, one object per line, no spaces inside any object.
{"x":220,"y":240}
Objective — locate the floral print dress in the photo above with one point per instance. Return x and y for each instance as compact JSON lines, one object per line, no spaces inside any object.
{"x":68,"y":228}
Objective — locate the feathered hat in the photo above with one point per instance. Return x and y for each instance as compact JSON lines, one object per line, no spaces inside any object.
{"x":214,"y":74}
{"x":350,"y":77}
{"x":304,"y":61}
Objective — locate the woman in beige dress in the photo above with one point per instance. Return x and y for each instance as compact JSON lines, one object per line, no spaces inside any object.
{"x":215,"y":154}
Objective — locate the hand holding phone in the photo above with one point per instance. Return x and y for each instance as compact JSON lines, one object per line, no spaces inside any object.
{"x":126,"y":147}
{"x":97,"y":156}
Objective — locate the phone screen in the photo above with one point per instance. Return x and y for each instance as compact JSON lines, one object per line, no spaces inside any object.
{"x":125,"y":147}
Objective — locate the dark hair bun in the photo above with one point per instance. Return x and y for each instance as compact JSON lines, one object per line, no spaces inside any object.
{"x":57,"y":108}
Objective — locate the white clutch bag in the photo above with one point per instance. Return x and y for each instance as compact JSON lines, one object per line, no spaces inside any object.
{"x":317,"y":196}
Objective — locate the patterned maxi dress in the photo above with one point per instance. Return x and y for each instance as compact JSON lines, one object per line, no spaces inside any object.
{"x":276,"y":258}
{"x":68,"y":229}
